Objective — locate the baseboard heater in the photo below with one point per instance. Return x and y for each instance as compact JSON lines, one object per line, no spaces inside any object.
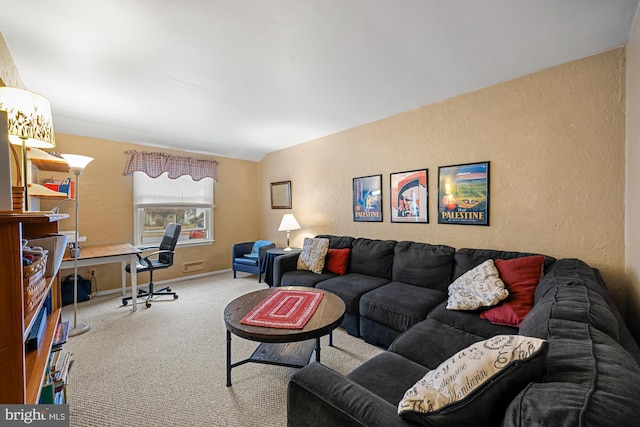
{"x":189,"y":267}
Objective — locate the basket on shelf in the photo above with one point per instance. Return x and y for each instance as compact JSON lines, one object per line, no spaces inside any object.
{"x":34,"y":284}
{"x":36,"y":267}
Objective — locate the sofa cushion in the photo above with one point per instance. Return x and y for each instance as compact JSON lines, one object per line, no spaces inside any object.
{"x":575,"y":271}
{"x":479,"y":287}
{"x":304,"y":278}
{"x":372,"y":257}
{"x":469,"y":321}
{"x":313,"y":254}
{"x":337,"y":261}
{"x":473,"y":386}
{"x":570,"y":302}
{"x":337,"y":242}
{"x":466,"y":258}
{"x":521,"y":276}
{"x":399,"y":305}
{"x":430,"y":342}
{"x":591,"y":380}
{"x":388,"y":375}
{"x":351,"y":287}
{"x":422,"y":264}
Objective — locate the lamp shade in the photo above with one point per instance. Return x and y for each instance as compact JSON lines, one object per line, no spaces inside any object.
{"x":77,"y":162}
{"x":288,"y":223}
{"x":29,"y":118}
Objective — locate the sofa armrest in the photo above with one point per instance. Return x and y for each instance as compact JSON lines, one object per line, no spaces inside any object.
{"x":282,"y":264}
{"x":319,"y":396}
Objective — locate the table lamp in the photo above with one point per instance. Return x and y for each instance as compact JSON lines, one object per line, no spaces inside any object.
{"x":287,"y":224}
{"x":77,"y":163}
{"x":30,"y":125}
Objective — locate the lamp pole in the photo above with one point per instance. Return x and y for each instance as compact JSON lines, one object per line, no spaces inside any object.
{"x":77,"y":164}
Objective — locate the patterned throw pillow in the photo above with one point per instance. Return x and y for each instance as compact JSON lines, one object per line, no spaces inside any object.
{"x":313,"y":254}
{"x":479,"y":287}
{"x":473,"y":386}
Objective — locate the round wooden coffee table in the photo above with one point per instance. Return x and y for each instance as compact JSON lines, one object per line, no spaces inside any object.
{"x":283,"y":347}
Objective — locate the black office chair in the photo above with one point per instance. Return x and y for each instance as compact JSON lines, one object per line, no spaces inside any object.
{"x":164,"y":259}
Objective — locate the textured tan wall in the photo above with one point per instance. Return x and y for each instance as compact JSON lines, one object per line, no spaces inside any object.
{"x":106,"y":200}
{"x":555,"y":140}
{"x":632,"y":213}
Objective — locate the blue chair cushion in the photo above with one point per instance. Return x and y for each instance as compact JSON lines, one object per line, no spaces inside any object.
{"x":246,"y":261}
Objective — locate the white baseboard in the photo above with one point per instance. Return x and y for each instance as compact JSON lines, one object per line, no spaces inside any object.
{"x":163,"y":282}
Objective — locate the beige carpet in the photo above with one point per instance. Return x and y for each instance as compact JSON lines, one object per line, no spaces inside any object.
{"x":165,"y":365}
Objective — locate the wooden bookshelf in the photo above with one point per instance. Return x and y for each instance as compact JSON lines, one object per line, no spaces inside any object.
{"x":23,"y":371}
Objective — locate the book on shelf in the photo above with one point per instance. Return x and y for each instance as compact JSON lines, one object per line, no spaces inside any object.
{"x":61,"y":335}
{"x":37,"y":330}
{"x":59,"y":362}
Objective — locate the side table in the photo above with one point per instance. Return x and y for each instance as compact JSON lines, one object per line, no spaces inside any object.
{"x":267,"y":263}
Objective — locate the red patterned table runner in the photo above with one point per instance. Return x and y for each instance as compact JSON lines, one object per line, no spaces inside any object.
{"x":284,"y":309}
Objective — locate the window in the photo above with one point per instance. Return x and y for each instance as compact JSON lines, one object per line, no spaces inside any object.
{"x":160,"y":201}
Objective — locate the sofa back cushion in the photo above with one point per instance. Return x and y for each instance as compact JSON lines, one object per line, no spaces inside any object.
{"x":372,"y":257}
{"x":337,"y":242}
{"x":422,"y":264}
{"x":570,"y":291}
{"x":591,"y":381}
{"x":466,"y":259}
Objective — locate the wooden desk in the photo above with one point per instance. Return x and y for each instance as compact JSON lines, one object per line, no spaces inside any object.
{"x":107,"y":254}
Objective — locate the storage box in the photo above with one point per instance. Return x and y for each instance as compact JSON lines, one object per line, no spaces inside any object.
{"x":56,"y":245}
{"x":67,"y":187}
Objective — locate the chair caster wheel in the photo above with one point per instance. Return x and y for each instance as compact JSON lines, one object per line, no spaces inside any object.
{"x":168,"y":289}
{"x":124,"y":302}
{"x":148,"y":304}
{"x":175,"y":297}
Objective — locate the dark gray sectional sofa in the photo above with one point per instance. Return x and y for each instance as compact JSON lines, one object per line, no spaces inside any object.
{"x":395,"y":294}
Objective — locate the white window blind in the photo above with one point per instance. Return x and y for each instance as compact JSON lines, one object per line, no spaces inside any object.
{"x":171,"y":192}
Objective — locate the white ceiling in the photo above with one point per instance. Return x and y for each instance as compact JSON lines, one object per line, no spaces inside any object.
{"x":242,"y":78}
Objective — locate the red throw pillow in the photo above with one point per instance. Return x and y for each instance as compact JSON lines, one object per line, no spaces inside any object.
{"x":520,"y":276}
{"x":337,"y":260}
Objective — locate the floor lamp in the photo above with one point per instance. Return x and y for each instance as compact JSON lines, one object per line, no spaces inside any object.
{"x":77,"y":163}
{"x":30,"y":125}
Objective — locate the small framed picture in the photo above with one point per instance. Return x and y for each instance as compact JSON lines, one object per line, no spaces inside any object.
{"x":463,"y":194}
{"x":281,"y":195}
{"x":367,"y":198}
{"x":409,"y":196}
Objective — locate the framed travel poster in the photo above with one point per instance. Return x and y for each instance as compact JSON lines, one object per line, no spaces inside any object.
{"x":463,"y":194}
{"x":409,"y":196}
{"x":367,"y":198}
